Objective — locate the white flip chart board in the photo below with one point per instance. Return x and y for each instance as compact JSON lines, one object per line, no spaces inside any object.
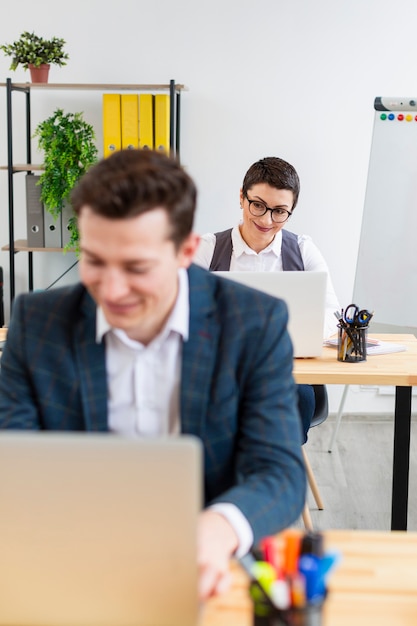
{"x":386,"y":271}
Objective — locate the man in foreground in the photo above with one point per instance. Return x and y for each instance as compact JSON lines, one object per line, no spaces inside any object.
{"x":149,"y":344}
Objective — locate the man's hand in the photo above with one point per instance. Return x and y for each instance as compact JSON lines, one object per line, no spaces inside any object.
{"x":216,"y":543}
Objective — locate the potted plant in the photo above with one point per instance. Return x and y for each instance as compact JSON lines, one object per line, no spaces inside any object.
{"x":69,"y":150}
{"x":37,"y":54}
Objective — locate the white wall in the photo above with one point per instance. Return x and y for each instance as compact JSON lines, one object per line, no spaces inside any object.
{"x":289,"y":78}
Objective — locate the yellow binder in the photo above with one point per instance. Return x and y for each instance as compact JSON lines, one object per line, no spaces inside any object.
{"x":162,"y":122}
{"x":130,"y":120}
{"x":146,"y":121}
{"x":112,"y":135}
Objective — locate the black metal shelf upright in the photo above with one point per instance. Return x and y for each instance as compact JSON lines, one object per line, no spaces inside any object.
{"x":10,"y":172}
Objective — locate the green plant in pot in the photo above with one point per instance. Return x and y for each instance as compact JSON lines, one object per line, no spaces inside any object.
{"x":68,"y":143}
{"x":36,"y":53}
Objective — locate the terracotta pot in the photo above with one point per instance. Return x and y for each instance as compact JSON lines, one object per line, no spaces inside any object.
{"x":39,"y":74}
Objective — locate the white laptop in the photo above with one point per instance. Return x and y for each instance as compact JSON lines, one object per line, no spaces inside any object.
{"x":305,"y":295}
{"x":98,"y":530}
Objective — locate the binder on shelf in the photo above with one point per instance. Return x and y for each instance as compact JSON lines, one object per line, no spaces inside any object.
{"x":67,"y":213}
{"x":112,"y":132}
{"x":34,"y":213}
{"x":130,"y":120}
{"x":162,"y":122}
{"x":146,"y":136}
{"x":52,"y":229}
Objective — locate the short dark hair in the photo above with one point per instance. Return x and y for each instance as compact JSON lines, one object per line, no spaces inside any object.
{"x":274,"y":172}
{"x":131,"y":182}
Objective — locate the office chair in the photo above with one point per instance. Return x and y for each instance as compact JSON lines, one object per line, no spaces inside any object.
{"x":321,"y":413}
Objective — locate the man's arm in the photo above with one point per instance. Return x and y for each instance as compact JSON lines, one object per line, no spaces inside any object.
{"x":252,"y":428}
{"x":269,"y":486}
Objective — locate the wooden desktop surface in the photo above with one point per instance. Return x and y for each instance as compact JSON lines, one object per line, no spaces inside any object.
{"x":397,"y":368}
{"x":374,"y":584}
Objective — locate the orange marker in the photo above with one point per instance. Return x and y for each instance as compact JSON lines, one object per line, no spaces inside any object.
{"x":292,"y":545}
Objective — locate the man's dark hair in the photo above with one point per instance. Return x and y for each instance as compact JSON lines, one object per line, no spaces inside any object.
{"x":131,"y":182}
{"x":274,"y":172}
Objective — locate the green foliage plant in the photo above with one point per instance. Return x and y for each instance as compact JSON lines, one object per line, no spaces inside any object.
{"x":30,"y":49}
{"x":68,"y":143}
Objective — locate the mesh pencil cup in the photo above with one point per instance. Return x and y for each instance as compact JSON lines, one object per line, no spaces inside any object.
{"x":351,"y":344}
{"x":264,"y":614}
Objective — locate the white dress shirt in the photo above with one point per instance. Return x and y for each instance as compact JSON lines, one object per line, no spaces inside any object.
{"x":269,"y":259}
{"x":144,"y":382}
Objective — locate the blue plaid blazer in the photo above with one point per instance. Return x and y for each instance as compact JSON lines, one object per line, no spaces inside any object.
{"x":237,"y":391}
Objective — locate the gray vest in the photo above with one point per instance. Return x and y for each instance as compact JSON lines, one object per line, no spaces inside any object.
{"x":290,"y":252}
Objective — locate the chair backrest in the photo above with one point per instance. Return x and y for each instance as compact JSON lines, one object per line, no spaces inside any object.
{"x":321,"y":411}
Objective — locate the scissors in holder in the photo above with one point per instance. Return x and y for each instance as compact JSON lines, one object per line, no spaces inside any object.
{"x":356,"y":318}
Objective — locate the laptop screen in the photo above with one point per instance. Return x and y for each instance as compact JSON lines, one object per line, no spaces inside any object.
{"x":304,"y":294}
{"x":98,"y":530}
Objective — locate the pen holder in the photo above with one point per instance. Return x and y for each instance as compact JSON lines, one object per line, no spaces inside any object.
{"x":351,"y":344}
{"x":267,"y":615}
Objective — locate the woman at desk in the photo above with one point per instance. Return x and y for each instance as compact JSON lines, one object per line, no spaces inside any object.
{"x":259,"y":242}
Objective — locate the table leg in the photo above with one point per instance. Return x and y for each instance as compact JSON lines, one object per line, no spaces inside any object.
{"x":401,"y":459}
{"x":30,"y":270}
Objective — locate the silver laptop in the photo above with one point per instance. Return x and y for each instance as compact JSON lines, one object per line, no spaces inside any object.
{"x":97,"y":530}
{"x":305,"y":295}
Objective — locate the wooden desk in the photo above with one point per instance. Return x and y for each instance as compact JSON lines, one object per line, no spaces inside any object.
{"x":398,"y":369}
{"x":375,"y":583}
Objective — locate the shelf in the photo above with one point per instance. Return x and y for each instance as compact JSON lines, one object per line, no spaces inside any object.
{"x":24,"y":167}
{"x":21,"y":245}
{"x":95,"y":86}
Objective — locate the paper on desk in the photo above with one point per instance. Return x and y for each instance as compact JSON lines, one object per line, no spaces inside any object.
{"x":385,"y":347}
{"x":373,"y":346}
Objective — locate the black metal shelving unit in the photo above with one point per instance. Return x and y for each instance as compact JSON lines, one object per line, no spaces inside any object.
{"x":26,"y":89}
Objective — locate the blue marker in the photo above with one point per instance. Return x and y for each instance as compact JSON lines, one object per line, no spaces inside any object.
{"x":316,"y":570}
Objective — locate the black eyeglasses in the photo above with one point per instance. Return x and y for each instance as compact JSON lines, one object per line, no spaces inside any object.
{"x":258,"y":208}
